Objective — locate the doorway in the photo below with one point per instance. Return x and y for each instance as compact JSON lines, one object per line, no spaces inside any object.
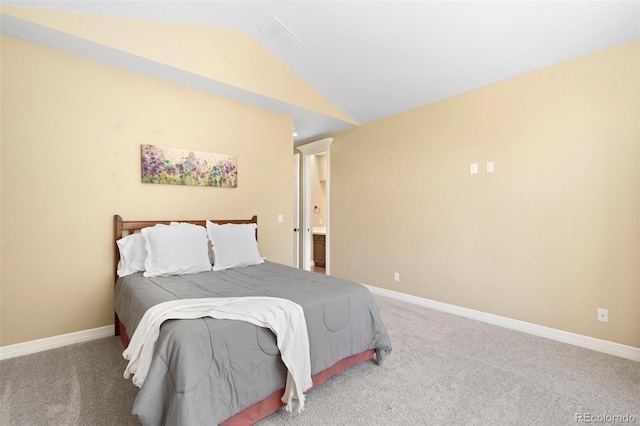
{"x":321,"y":149}
{"x":318,"y":191}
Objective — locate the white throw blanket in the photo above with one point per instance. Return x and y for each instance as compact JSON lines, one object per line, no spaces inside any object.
{"x":283,"y":317}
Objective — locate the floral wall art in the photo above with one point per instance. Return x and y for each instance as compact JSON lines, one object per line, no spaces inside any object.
{"x":187,"y":167}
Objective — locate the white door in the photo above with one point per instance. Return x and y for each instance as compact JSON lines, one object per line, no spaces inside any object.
{"x":296,"y":210}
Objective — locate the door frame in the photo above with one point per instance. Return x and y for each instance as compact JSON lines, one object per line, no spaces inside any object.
{"x":307,"y":150}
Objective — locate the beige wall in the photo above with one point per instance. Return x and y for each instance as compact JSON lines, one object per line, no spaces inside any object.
{"x":553,"y":234}
{"x":71,"y":135}
{"x":548,"y":238}
{"x":221,"y":54}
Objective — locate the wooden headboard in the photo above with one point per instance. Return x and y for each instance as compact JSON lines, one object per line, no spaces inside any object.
{"x":122,"y":228}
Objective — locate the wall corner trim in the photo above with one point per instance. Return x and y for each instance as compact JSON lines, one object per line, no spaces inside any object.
{"x":598,"y":345}
{"x":39,"y":345}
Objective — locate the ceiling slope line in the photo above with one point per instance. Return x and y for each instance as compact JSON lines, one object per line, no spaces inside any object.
{"x":310,"y":125}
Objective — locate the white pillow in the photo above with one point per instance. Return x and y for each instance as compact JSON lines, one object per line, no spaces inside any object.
{"x":132,"y":254}
{"x":209,"y":247}
{"x":176,"y":249}
{"x":234,"y":245}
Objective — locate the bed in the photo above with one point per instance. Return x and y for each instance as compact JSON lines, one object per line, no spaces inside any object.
{"x":212,"y":371}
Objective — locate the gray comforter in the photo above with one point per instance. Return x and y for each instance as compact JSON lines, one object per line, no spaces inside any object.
{"x":206,"y":370}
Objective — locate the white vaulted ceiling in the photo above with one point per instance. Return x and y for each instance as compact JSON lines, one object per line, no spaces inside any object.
{"x":369,"y":59}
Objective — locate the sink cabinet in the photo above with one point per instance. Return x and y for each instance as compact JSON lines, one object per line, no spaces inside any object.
{"x":319,"y":250}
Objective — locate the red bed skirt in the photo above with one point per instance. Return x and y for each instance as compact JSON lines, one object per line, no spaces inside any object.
{"x":124,"y":337}
{"x":273,"y":402}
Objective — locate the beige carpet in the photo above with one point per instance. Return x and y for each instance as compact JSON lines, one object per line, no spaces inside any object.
{"x":445,"y":370}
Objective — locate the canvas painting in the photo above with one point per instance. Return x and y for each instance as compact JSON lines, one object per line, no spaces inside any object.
{"x":176,"y":166}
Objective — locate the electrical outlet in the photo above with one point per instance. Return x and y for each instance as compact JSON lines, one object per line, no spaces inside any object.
{"x":396,"y":276}
{"x":603,"y":315}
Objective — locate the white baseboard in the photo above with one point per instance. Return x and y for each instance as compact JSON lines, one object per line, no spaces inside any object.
{"x":26,"y":348}
{"x":599,"y":345}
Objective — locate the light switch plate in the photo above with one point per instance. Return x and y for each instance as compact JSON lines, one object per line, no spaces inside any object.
{"x":489,"y":166}
{"x":473,"y":168}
